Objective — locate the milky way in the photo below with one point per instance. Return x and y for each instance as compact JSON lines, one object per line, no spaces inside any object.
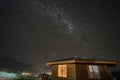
{"x":63,"y":21}
{"x":57,"y":16}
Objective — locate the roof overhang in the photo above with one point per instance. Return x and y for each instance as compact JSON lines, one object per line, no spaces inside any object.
{"x":88,"y":62}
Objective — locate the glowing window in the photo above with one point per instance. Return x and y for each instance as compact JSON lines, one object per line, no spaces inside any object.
{"x":93,"y":71}
{"x":62,"y":70}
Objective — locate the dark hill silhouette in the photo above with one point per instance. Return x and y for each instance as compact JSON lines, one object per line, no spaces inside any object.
{"x":12,"y":64}
{"x":9,"y":61}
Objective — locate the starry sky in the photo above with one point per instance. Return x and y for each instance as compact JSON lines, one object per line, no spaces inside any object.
{"x":36,"y":31}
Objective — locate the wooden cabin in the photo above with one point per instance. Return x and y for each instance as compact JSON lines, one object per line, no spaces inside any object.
{"x":77,"y":68}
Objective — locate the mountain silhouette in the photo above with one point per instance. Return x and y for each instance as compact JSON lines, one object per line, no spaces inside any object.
{"x":12,"y":64}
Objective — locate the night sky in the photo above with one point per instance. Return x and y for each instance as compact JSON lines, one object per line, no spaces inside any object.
{"x":36,"y":31}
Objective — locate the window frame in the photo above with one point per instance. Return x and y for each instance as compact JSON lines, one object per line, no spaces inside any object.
{"x":93,"y":71}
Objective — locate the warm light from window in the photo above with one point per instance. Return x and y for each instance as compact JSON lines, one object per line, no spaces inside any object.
{"x":62,"y":70}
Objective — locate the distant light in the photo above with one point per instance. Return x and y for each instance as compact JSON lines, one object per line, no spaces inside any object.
{"x":26,"y":74}
{"x":75,"y":56}
{"x":84,"y":57}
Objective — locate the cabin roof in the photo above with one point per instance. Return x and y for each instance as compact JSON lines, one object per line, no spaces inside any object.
{"x":82,"y":60}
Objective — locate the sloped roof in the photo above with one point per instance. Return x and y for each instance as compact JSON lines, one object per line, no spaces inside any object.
{"x":82,"y":60}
